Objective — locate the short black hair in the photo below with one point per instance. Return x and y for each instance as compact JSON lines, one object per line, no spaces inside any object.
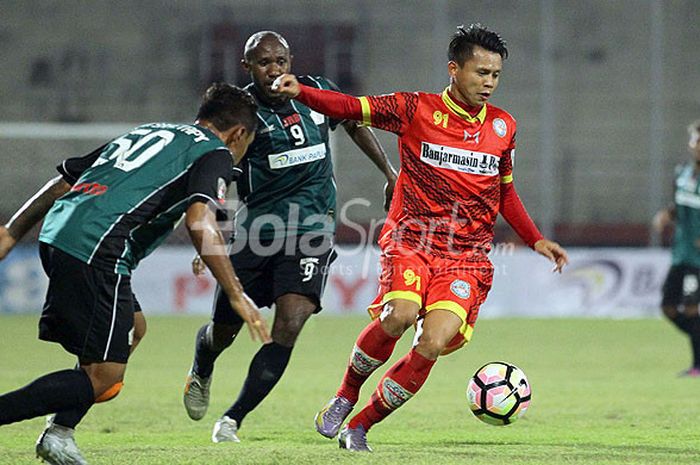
{"x":463,"y":41}
{"x":225,"y":105}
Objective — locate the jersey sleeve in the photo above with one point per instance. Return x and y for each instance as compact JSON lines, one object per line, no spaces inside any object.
{"x":391,"y":112}
{"x":505,"y":168}
{"x":72,"y":168}
{"x":209,"y":178}
{"x":323,"y":83}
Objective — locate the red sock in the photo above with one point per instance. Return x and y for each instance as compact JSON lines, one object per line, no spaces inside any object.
{"x":399,"y":384}
{"x":372,"y":348}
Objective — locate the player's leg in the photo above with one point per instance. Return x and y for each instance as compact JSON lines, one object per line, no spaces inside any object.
{"x":298,"y":282}
{"x":403,"y":380}
{"x":681,"y":286}
{"x":70,"y":418}
{"x":89,"y":313}
{"x":394,"y":311}
{"x":452,"y":304}
{"x":211,"y":340}
{"x":691,"y":297}
{"x":214,"y":337}
{"x":269,"y":363}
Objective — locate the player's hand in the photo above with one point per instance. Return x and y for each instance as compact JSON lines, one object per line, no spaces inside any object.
{"x":662,"y":220}
{"x":389,"y":192}
{"x":7,"y":242}
{"x":198,"y":266}
{"x":287,"y":84}
{"x":250,"y":313}
{"x":554,"y":252}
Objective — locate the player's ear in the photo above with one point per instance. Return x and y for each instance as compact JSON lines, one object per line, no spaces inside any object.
{"x":245,"y":65}
{"x":452,"y":68}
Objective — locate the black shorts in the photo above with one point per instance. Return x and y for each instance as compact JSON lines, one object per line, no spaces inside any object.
{"x":89,"y":312}
{"x":682,"y":286}
{"x":266,"y":277}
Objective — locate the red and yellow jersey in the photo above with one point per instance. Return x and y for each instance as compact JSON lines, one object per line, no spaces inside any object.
{"x":452,"y":165}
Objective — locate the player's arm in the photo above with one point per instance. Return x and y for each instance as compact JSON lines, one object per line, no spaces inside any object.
{"x":206,"y":178}
{"x":40,"y":203}
{"x":365,"y":139}
{"x":389,"y":112}
{"x":30,"y":214}
{"x":514,"y":213}
{"x":664,"y":218}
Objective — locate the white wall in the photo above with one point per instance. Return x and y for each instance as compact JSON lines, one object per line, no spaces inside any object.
{"x":615,"y":283}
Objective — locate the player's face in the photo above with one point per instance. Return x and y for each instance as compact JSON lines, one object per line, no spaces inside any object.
{"x":269,"y":60}
{"x":475,"y":82}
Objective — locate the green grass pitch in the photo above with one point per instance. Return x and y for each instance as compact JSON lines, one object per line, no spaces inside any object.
{"x":604,"y":392}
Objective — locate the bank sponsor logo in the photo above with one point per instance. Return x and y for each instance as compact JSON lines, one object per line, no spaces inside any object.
{"x":297,"y":157}
{"x":456,"y":159}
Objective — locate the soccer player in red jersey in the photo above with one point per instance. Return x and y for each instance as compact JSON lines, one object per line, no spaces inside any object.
{"x":456,"y":175}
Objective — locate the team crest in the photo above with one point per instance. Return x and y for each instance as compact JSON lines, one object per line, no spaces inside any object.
{"x":221,"y":191}
{"x":499,"y":127}
{"x":460,"y":288}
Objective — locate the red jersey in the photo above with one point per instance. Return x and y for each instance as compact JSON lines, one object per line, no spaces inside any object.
{"x":456,"y":170}
{"x":452,"y":166}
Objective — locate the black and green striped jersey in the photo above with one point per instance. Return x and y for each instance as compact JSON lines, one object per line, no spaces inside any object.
{"x":686,"y":241}
{"x":287,"y":185}
{"x":129,"y":194}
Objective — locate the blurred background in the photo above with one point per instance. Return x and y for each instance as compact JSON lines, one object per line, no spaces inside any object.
{"x":602,"y":91}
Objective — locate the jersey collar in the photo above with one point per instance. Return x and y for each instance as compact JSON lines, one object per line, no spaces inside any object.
{"x":461,"y":112}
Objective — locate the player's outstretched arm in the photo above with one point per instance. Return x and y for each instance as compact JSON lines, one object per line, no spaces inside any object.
{"x":211,"y":246}
{"x":365,"y":139}
{"x":329,"y":102}
{"x":30,"y":214}
{"x":514,"y":213}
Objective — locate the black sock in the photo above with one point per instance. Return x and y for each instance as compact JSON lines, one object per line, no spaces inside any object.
{"x":55,"y":392}
{"x":71,"y":418}
{"x":204,"y":355}
{"x":264,"y":372}
{"x":682,"y":322}
{"x":693,"y":324}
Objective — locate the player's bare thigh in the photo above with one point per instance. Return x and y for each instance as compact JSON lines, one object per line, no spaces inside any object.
{"x":439,"y":328}
{"x":398,"y":315}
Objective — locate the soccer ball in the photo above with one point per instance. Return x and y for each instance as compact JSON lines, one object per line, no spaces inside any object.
{"x":498,"y":393}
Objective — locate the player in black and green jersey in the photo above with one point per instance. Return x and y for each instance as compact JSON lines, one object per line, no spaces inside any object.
{"x":681,"y":290}
{"x":107,"y":211}
{"x":284,"y":233}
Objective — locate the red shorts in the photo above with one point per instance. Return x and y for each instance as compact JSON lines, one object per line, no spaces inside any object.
{"x":458,"y":286}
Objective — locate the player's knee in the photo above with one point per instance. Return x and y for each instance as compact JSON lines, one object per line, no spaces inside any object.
{"x":286,"y":330}
{"x":222,"y":336}
{"x":430,"y":347}
{"x":670,"y":311}
{"x":396,"y":318}
{"x":111,"y":392}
